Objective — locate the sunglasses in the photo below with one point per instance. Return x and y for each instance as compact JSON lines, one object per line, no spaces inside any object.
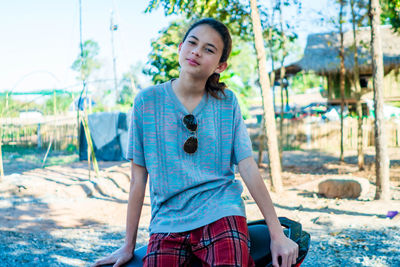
{"x":191,"y":144}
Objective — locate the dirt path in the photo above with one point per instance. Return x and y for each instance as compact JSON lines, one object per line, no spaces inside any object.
{"x":57,"y":216}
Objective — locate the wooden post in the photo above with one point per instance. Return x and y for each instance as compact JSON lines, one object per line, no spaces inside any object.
{"x":73,"y":102}
{"x":90,"y":145}
{"x":54,"y":103}
{"x":47,"y":153}
{"x":39,"y":138}
{"x":6,"y":101}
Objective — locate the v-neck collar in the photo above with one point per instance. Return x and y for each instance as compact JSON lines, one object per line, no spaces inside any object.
{"x":179,"y":104}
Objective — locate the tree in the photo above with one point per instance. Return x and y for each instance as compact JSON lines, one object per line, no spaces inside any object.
{"x":391,"y":13}
{"x":232,"y":13}
{"x":240,"y":76}
{"x":342,"y":73}
{"x":280,"y":38}
{"x":269,"y":114}
{"x":356,"y":80}
{"x":87,"y":62}
{"x":5,"y":102}
{"x":163,"y":62}
{"x":130,"y":84}
{"x":63,"y":103}
{"x":272,"y":36}
{"x":302,"y":81}
{"x":282,"y":75}
{"x":358,"y":16}
{"x":381,"y":158}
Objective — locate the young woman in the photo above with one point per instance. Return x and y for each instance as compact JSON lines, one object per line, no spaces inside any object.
{"x":186,"y":135}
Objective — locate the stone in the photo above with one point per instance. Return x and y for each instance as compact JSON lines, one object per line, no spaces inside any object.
{"x":324,"y":220}
{"x":343,"y":188}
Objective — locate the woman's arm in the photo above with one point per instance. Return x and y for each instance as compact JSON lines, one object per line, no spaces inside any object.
{"x":280,"y":244}
{"x":135,"y":203}
{"x":136,"y":197}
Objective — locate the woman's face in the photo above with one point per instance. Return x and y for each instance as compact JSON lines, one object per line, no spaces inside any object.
{"x":201,"y":51}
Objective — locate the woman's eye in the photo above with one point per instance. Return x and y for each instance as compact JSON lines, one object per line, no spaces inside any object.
{"x":191,"y":42}
{"x":209,"y":50}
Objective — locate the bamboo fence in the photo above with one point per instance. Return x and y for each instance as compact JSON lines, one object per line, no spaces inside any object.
{"x":297,"y":134}
{"x":313,"y":133}
{"x":308,"y":134}
{"x":61,"y":131}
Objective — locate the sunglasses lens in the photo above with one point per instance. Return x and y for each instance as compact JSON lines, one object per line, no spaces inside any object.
{"x":190,"y":145}
{"x":190,"y":122}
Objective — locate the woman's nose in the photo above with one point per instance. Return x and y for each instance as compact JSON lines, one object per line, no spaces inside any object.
{"x":196,"y":52}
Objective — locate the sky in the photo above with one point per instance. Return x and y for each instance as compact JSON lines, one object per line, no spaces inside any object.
{"x":40,"y":39}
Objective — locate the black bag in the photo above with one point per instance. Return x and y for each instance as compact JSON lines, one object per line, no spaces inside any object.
{"x":260,"y":241}
{"x":260,"y":244}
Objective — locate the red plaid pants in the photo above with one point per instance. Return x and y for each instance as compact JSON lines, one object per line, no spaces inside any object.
{"x":222,"y":243}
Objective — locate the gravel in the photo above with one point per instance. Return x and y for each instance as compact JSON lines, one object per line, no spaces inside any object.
{"x":355,"y":247}
{"x":81,"y":247}
{"x":64,"y":247}
{"x":343,"y":232}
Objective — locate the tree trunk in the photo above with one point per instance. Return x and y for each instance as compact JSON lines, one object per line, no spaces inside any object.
{"x":281,"y":113}
{"x":287,"y":95}
{"x":54,"y":103}
{"x":282,"y":76}
{"x":381,"y":158}
{"x":261,"y":142}
{"x":269,"y":121}
{"x":360,"y":143}
{"x":272,"y":81}
{"x":342,"y":77}
{"x":90,"y":148}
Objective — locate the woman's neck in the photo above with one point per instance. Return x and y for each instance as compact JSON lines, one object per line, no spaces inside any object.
{"x":187,"y":87}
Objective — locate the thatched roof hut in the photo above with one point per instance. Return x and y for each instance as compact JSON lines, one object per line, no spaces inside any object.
{"x":321,"y":54}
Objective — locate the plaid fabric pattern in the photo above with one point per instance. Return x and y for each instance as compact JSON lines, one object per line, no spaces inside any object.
{"x":222,"y":243}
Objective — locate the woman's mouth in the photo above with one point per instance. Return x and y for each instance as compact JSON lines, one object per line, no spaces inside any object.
{"x":192,"y":62}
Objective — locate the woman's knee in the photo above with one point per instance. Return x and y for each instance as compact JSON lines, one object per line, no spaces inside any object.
{"x":226,"y":243}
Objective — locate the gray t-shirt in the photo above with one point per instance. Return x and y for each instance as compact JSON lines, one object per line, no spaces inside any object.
{"x":188,"y":190}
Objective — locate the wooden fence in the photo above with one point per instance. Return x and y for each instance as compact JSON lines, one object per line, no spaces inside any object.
{"x":309,"y":134}
{"x":300,"y":134}
{"x":61,"y":131}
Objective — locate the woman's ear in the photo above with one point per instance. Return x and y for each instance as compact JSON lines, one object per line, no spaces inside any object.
{"x":221,"y":67}
{"x":180,"y":47}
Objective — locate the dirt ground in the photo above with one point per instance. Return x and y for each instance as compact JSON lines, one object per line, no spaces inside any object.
{"x":58,"y":216}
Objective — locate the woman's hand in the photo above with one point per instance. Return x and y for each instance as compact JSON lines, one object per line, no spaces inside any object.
{"x":285,"y":248}
{"x":118,"y":257}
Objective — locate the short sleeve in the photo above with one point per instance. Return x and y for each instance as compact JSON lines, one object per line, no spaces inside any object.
{"x":135,"y":149}
{"x":242,"y":147}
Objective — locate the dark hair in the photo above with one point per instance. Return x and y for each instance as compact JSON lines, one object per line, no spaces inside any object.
{"x":213,"y":86}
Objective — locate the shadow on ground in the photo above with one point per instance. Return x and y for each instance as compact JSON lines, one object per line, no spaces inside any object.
{"x":27,"y":238}
{"x":354,"y":247}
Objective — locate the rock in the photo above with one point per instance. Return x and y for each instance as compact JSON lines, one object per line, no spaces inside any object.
{"x":343,"y":188}
{"x":323,"y":220}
